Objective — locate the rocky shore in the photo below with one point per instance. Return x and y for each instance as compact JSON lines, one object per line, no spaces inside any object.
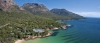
{"x":48,"y":34}
{"x":64,"y":26}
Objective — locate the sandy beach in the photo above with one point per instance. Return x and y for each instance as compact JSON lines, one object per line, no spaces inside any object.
{"x":20,"y":41}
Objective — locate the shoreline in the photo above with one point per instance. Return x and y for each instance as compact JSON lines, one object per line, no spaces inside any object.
{"x":20,"y":41}
{"x":32,"y":38}
{"x":35,"y":37}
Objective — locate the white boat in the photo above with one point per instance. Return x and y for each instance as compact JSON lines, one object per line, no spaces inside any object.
{"x":68,"y":25}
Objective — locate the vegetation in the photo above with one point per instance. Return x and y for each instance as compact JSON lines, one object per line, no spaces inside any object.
{"x":18,"y":25}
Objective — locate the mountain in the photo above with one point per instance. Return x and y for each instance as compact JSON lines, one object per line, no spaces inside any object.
{"x":16,"y":23}
{"x":38,"y":10}
{"x":66,"y":13}
{"x":9,"y":5}
{"x":41,"y":10}
{"x":11,"y":12}
{"x":35,"y":7}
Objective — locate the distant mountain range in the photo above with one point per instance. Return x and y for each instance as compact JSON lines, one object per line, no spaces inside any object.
{"x":66,"y":13}
{"x":41,"y":10}
{"x":38,"y":9}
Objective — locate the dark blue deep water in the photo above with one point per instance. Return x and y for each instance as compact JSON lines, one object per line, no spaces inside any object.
{"x":83,"y":31}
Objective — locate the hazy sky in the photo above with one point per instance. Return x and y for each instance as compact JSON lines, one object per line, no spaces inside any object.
{"x":88,"y":8}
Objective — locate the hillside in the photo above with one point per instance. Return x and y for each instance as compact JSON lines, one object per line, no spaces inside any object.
{"x":39,"y":10}
{"x":56,"y":14}
{"x":18,"y":22}
{"x":9,"y":5}
{"x":66,"y":13}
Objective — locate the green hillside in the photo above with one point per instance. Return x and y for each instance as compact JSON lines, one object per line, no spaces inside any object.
{"x":11,"y":21}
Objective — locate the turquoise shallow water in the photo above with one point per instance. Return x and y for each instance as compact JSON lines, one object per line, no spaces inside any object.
{"x":81,"y":31}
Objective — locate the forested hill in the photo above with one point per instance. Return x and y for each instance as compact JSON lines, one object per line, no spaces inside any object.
{"x":66,"y":13}
{"x":17,"y":23}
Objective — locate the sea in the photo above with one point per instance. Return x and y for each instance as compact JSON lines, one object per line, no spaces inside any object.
{"x":80,"y":31}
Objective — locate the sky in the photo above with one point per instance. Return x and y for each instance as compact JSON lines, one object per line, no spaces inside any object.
{"x":87,"y":8}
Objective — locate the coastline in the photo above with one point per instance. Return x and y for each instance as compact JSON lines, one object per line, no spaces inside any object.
{"x":35,"y":37}
{"x":73,"y":34}
{"x":20,"y":41}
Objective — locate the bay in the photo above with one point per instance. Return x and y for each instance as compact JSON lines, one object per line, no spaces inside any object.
{"x":80,"y":31}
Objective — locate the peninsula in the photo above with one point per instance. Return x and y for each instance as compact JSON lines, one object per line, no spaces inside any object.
{"x":30,"y":21}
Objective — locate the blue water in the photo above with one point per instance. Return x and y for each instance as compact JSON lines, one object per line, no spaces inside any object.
{"x":83,"y":31}
{"x":80,"y":31}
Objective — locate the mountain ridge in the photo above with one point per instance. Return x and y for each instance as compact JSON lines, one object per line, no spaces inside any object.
{"x":35,"y":7}
{"x":42,"y":10}
{"x":38,"y":10}
{"x":64,"y":12}
{"x":8,"y":5}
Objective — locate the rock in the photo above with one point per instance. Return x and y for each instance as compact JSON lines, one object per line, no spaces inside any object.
{"x":8,"y":5}
{"x":35,"y":7}
{"x":64,"y":26}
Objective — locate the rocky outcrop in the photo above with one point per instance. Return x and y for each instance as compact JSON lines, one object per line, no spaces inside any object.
{"x":7,"y":5}
{"x":35,"y":7}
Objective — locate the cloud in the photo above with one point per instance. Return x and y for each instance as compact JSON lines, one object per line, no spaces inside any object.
{"x":89,"y":14}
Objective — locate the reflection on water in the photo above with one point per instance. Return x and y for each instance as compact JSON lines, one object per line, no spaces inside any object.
{"x":55,"y":33}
